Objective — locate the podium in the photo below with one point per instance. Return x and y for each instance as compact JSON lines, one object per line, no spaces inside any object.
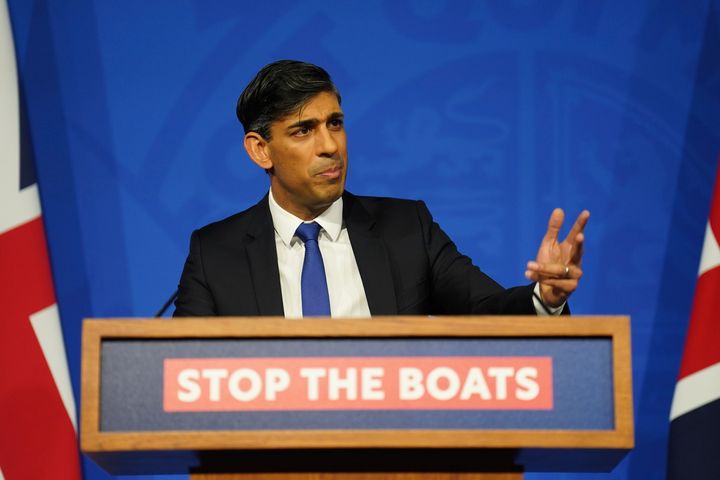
{"x":387,"y":397}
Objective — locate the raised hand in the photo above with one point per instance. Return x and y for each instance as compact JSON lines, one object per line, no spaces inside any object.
{"x":557,"y":266}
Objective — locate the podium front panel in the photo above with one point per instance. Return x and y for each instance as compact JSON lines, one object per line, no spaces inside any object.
{"x":437,"y":393}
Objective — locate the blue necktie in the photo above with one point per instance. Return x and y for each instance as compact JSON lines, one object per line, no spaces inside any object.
{"x":315,"y":300}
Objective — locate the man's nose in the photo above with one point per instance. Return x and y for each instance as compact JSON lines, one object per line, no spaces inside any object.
{"x":325,"y":143}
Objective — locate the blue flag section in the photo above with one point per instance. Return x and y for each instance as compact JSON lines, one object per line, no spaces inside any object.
{"x":695,"y":443}
{"x":491,"y":112}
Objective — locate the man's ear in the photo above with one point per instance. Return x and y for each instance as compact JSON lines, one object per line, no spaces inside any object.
{"x":257,"y":148}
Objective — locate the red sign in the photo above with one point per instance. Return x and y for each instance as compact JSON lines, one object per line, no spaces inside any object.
{"x":358,"y":383}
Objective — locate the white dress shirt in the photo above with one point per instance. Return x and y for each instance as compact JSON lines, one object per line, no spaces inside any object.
{"x":345,"y":287}
{"x":539,"y":308}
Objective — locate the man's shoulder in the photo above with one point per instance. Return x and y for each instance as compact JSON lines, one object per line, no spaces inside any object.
{"x":389,"y":208}
{"x":384,"y":205}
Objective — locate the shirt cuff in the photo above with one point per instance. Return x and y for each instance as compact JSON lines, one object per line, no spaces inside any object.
{"x":542,"y":309}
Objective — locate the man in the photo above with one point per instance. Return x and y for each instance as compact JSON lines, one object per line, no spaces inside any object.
{"x":311,"y":248}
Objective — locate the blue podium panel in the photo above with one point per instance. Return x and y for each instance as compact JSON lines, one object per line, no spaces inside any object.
{"x":133,"y":377}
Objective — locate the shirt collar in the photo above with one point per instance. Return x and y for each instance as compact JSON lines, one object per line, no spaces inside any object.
{"x":286,"y":223}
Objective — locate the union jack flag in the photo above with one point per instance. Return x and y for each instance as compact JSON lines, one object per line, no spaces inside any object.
{"x":37,"y":409}
{"x":694,"y":447}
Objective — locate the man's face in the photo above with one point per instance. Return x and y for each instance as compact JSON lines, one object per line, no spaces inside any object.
{"x":308,"y":153}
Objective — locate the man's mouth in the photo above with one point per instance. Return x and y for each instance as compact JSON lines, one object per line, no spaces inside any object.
{"x":331,"y":173}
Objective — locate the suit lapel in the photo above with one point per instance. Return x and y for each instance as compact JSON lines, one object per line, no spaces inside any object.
{"x":262,"y":258}
{"x":371,"y":257}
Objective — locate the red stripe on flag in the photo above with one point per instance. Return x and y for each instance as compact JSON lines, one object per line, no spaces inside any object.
{"x":702,"y":347}
{"x":38,"y":439}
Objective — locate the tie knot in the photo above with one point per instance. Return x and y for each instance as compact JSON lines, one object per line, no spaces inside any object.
{"x":308,"y":231}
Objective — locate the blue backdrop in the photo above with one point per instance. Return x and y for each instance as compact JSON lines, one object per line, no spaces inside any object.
{"x":494,"y":112}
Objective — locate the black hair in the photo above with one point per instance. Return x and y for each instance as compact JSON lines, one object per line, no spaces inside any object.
{"x":278,"y":90}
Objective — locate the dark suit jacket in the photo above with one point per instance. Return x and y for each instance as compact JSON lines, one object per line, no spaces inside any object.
{"x":408,"y":266}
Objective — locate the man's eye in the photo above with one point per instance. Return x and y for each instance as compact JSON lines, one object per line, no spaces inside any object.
{"x":336,"y":123}
{"x":301,"y":132}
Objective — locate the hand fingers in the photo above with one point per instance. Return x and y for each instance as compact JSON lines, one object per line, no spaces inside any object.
{"x":578,"y":226}
{"x":554,"y":224}
{"x":566,"y":286}
{"x":540,"y":272}
{"x":576,"y":252}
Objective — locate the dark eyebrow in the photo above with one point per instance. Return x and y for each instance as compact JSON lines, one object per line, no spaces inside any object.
{"x":312,"y":122}
{"x":309,"y":123}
